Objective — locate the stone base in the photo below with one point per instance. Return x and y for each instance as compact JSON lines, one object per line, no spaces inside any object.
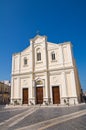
{"x":32,"y":101}
{"x":16,"y":101}
{"x":69,"y":100}
{"x":47,"y":101}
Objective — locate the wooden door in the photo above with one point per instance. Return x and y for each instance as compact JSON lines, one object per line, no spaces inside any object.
{"x":39,"y":95}
{"x":56,"y":95}
{"x":25,"y":95}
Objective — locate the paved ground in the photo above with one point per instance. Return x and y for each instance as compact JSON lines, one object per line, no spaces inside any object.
{"x":73,"y":124}
{"x":44,"y":118}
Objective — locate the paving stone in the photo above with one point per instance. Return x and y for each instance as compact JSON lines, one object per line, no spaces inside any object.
{"x":43,"y":114}
{"x":75,"y":124}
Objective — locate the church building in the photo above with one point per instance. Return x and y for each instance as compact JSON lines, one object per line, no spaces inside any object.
{"x":45,"y":73}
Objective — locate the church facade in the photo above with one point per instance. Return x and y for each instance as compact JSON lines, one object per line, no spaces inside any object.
{"x":45,"y":73}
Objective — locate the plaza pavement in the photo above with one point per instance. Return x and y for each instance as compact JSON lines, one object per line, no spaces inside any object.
{"x":43,"y":118}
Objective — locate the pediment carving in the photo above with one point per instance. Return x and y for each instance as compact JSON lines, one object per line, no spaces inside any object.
{"x":38,"y":39}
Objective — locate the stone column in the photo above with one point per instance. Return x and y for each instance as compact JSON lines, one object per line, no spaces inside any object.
{"x":47,"y":85}
{"x":73,"y":84}
{"x":12,"y":91}
{"x":64,"y":88}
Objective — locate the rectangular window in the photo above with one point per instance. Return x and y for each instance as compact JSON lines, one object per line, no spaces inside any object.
{"x":53,"y":56}
{"x":38,"y":56}
{"x":25,"y":61}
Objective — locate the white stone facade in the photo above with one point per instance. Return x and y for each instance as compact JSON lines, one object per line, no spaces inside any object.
{"x":53,"y":71}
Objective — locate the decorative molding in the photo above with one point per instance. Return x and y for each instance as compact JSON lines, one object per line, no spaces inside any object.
{"x":39,"y":62}
{"x":55,"y":80}
{"x":41,"y":71}
{"x":25,"y":82}
{"x":53,"y":61}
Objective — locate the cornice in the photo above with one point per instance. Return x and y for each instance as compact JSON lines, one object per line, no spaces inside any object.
{"x":18,"y":74}
{"x":43,"y":71}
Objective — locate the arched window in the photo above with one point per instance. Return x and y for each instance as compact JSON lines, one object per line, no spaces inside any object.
{"x":25,"y":61}
{"x":53,"y":55}
{"x":38,"y":54}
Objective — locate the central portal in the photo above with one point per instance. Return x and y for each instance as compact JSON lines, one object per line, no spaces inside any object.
{"x":39,"y":95}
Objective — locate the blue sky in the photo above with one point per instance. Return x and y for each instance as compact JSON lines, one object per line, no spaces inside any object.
{"x":59,"y":20}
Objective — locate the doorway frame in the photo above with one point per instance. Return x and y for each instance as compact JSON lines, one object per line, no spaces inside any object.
{"x":23,"y":95}
{"x":51,"y":93}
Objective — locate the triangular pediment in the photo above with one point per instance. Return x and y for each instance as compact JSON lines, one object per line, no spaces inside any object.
{"x":38,"y":39}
